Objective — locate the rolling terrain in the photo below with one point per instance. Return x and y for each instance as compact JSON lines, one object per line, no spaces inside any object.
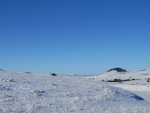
{"x":44,"y":93}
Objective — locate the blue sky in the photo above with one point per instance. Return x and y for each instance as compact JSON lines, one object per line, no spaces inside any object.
{"x":74,"y":36}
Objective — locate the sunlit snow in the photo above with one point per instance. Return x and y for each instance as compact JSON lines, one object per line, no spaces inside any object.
{"x":43,"y":93}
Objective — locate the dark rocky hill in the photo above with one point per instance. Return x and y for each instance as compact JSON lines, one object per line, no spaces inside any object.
{"x":117,"y":69}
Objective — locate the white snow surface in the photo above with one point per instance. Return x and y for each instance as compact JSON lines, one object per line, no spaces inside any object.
{"x":42,"y":93}
{"x":140,"y":76}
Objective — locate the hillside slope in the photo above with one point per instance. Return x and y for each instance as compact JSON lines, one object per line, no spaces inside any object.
{"x":138,"y":77}
{"x":137,"y":82}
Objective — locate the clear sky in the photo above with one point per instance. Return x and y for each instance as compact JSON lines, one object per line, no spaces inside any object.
{"x":74,"y":36}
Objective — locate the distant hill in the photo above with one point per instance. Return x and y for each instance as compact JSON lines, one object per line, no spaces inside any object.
{"x":121,"y":75}
{"x":117,"y":69}
{"x":1,"y":70}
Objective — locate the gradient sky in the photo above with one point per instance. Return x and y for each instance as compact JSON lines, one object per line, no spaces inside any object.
{"x":74,"y":36}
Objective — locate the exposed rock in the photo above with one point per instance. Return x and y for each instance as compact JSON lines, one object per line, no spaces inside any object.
{"x":148,"y":80}
{"x":117,"y":69}
{"x":28,"y":72}
{"x":53,"y":74}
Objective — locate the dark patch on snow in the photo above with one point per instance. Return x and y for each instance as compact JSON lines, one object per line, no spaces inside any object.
{"x":11,"y":80}
{"x":39,"y":93}
{"x":118,"y":80}
{"x":28,"y":72}
{"x":53,"y":74}
{"x":4,"y":88}
{"x":137,"y":97}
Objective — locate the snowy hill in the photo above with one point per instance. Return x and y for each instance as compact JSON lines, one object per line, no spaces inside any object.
{"x":42,"y":93}
{"x":139,"y":77}
{"x":137,"y":82}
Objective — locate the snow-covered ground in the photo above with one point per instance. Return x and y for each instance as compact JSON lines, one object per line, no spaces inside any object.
{"x":141,"y":90}
{"x":138,"y":81}
{"x":140,"y":76}
{"x":42,"y":93}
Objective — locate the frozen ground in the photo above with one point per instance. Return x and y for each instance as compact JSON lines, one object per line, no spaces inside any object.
{"x":35,"y":93}
{"x":141,"y":90}
{"x":137,"y":83}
